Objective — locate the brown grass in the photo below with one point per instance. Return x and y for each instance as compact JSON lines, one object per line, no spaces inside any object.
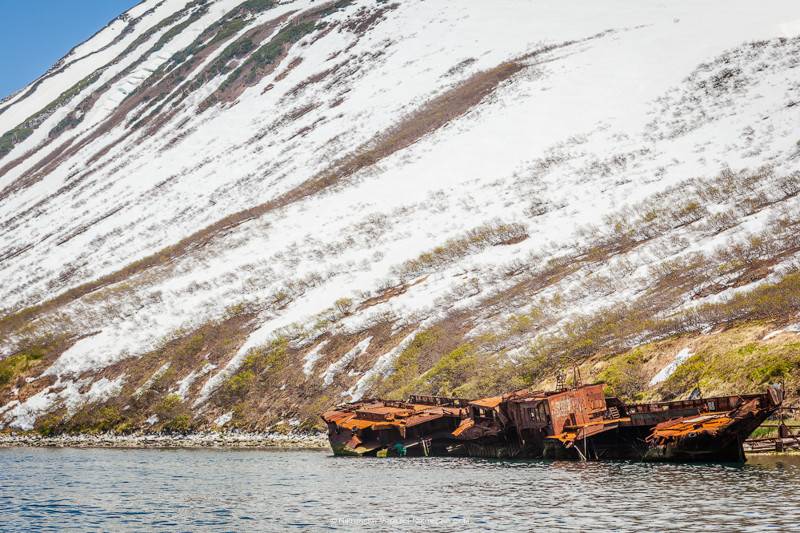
{"x":365,"y":19}
{"x":291,"y":66}
{"x":388,"y":293}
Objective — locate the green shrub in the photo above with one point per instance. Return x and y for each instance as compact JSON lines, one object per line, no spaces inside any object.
{"x":68,"y":122}
{"x":32,"y":352}
{"x":6,"y":374}
{"x":108,"y":418}
{"x":268,"y":52}
{"x":406,"y":366}
{"x":174,"y":414}
{"x":256,"y":6}
{"x":192,"y":346}
{"x":626,"y":376}
{"x":773,"y":370}
{"x":229,"y":28}
{"x":180,"y":424}
{"x":260,"y":360}
{"x":344,"y":306}
{"x":169,"y":407}
{"x":22,"y":132}
{"x":49,"y":426}
{"x":239,"y":385}
{"x":452,"y":370}
{"x":173,"y":32}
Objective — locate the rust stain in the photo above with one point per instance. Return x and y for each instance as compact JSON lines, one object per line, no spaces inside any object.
{"x":566,"y":423}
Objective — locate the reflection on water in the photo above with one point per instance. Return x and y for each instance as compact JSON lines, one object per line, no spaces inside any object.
{"x":234,"y":490}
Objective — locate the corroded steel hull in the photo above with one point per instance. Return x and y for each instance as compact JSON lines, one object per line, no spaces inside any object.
{"x":705,"y":438}
{"x":575,"y":424}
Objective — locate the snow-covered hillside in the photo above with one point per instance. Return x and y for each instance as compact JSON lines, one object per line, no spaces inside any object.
{"x":260,"y":207}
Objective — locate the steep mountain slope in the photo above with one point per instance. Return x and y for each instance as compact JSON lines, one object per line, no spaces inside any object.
{"x":225,"y":212}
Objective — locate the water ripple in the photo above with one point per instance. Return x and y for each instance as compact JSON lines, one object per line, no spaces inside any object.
{"x":230,"y":490}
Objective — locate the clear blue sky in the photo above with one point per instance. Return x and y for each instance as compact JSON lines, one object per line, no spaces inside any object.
{"x":34,"y":34}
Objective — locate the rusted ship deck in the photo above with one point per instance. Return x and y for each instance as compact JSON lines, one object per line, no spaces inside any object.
{"x":567,"y":423}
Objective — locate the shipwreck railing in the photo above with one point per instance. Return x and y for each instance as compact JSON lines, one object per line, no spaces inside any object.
{"x":441,"y":401}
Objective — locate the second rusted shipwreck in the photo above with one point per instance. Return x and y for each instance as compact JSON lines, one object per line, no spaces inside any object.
{"x":577,"y":422}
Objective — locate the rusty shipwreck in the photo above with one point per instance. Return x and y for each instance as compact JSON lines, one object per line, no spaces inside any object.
{"x":577,"y":422}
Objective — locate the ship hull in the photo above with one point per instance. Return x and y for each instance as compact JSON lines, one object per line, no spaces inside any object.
{"x":574,"y":424}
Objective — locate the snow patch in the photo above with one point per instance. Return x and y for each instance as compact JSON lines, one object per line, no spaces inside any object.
{"x":215,"y":381}
{"x":382,"y":367}
{"x":668,"y":370}
{"x":8,"y":406}
{"x":100,"y":391}
{"x":223,"y":419}
{"x":791,"y":29}
{"x":341,"y":364}
{"x":794,"y":328}
{"x":24,"y":415}
{"x":185,"y":383}
{"x":147,"y":384}
{"x":312,"y":357}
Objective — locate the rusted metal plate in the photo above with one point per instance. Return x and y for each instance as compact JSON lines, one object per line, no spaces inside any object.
{"x":488,"y":403}
{"x":422,"y":419}
{"x":567,"y":423}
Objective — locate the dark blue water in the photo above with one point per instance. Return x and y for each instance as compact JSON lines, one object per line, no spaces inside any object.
{"x":246,"y":490}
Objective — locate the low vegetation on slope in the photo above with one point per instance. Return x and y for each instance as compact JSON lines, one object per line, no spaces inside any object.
{"x":357,"y":253}
{"x":625,"y":346}
{"x":271,"y":389}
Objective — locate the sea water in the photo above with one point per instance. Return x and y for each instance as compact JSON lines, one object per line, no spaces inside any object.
{"x":79,"y":489}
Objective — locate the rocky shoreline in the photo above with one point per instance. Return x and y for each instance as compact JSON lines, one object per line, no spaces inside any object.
{"x":164,"y":440}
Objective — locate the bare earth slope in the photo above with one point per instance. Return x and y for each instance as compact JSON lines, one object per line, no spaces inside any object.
{"x":223,"y":213}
